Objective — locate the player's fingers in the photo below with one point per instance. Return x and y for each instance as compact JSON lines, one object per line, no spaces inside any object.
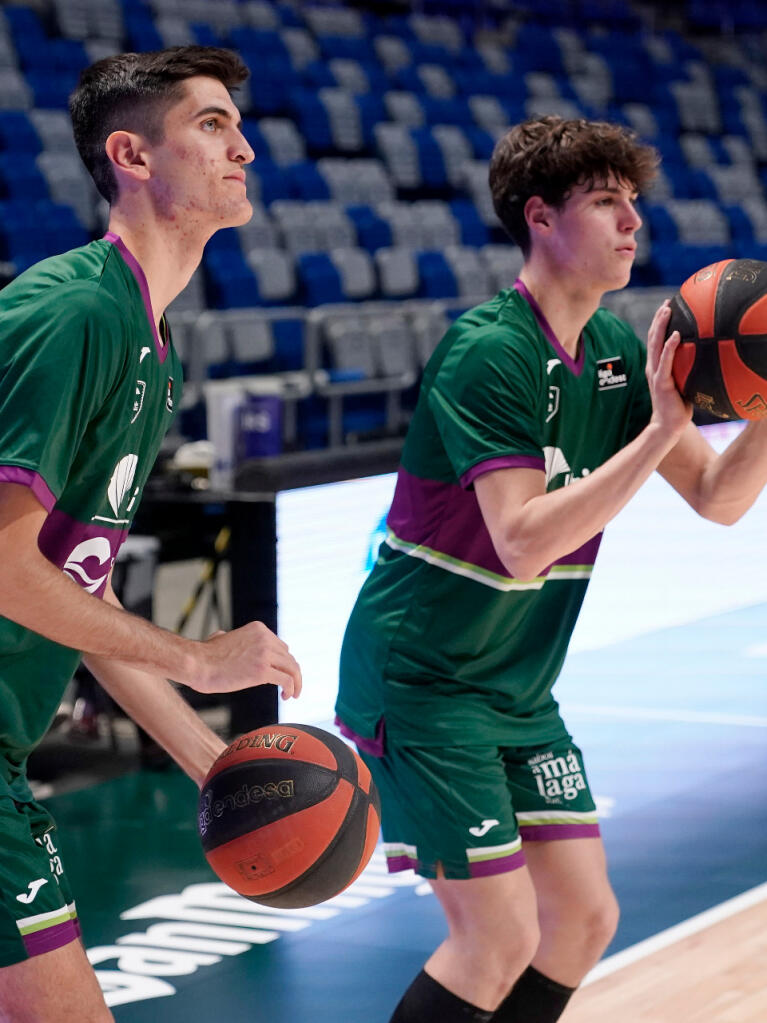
{"x":284,"y":666}
{"x":657,"y":331}
{"x":666,"y":361}
{"x":289,"y":684}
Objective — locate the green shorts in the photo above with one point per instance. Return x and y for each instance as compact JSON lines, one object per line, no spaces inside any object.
{"x":37,"y":912}
{"x":471,"y":808}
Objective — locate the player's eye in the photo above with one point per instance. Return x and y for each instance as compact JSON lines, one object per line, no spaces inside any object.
{"x":210,"y":125}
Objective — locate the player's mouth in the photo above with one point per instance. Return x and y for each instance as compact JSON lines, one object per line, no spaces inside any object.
{"x":239,"y":176}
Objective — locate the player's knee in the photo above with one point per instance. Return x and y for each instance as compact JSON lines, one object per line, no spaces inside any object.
{"x":600,"y":921}
{"x":512,"y":951}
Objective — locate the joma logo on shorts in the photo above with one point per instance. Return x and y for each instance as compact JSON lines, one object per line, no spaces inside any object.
{"x":559,"y":777}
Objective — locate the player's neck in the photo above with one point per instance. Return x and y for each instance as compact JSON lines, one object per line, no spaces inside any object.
{"x":167,"y":256}
{"x":566,"y":306}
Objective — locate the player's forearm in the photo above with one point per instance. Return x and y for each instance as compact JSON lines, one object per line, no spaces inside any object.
{"x":38,"y":596}
{"x":156,"y":706}
{"x":554,"y":524}
{"x":732,"y":482}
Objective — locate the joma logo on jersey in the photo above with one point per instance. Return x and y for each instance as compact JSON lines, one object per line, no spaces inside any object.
{"x":559,"y":777}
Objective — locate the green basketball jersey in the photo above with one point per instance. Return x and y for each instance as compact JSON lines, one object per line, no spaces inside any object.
{"x":443,"y":645}
{"x":87,"y":391}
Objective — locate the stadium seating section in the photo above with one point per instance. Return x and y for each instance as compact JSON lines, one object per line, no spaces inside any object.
{"x":372,"y":126}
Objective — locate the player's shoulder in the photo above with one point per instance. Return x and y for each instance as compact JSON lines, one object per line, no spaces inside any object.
{"x":501,"y":326}
{"x":83,"y":283}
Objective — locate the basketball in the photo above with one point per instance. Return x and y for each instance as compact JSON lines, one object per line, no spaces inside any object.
{"x":288,"y":815}
{"x":721,"y":315}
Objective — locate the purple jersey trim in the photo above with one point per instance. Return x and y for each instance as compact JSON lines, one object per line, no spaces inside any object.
{"x":85,"y":553}
{"x":33,"y":480}
{"x":446,"y":518}
{"x":575,"y":366}
{"x":138,"y":273}
{"x":374,"y":747}
{"x":505,"y":462}
{"x":51,"y":937}
{"x":555,"y":832}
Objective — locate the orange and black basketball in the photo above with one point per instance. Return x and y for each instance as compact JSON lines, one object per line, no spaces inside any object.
{"x":288,"y":815}
{"x":721,"y":315}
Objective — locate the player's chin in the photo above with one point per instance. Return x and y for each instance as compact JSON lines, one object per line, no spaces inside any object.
{"x":238,"y":215}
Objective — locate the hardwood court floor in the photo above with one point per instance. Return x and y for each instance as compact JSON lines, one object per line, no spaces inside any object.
{"x":716,"y":975}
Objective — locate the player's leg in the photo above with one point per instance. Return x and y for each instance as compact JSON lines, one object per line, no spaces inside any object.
{"x":57,"y":986}
{"x":492,"y":937}
{"x":44,"y":972}
{"x":577,"y":910}
{"x":447,"y":814}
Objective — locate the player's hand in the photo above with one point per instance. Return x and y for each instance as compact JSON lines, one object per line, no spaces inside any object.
{"x":670,"y":410}
{"x":249,"y":656}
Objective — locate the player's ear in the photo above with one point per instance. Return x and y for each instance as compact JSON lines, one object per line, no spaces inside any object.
{"x":126,"y":150}
{"x":537,"y":214}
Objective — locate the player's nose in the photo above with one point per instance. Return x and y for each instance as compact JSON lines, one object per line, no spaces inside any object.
{"x":241,"y":149}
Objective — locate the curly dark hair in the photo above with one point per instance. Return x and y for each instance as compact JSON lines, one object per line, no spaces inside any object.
{"x":132,"y":92}
{"x":549,"y":156}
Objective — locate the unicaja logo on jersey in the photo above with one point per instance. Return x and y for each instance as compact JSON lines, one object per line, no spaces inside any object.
{"x":121,"y":481}
{"x":97,"y":547}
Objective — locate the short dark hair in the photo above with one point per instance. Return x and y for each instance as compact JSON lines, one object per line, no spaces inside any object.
{"x":549,"y":156}
{"x":132,"y":92}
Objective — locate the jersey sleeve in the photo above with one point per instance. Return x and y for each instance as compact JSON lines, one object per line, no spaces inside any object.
{"x":485,"y":401}
{"x":60,"y":355}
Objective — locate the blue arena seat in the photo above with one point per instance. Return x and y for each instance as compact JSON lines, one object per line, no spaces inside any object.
{"x":306,"y":182}
{"x":373,"y":232}
{"x":474,"y":231}
{"x":436,"y":278}
{"x":288,"y":344}
{"x":52,"y":89}
{"x":20,"y":177}
{"x":312,"y":119}
{"x":229,"y":280}
{"x":430,"y":158}
{"x":18,"y":133}
{"x":273,"y":184}
{"x":319,"y":280}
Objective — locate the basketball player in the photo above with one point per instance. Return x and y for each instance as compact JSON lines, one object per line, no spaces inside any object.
{"x":89,"y":383}
{"x":536,"y":422}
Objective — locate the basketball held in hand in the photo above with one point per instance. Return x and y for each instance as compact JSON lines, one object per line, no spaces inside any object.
{"x":721,"y":315}
{"x":288,"y":815}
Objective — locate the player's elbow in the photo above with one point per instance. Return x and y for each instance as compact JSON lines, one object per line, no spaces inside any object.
{"x":523,"y":564}
{"x":724,"y":513}
{"x":722,"y":516}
